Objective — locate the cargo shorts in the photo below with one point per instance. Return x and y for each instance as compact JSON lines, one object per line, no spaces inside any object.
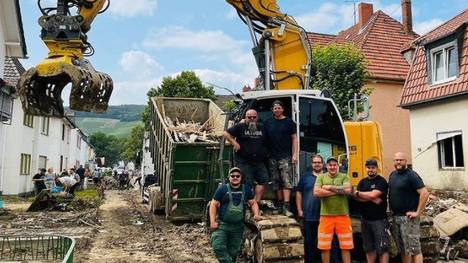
{"x":375,"y":236}
{"x":281,"y":173}
{"x":407,"y":235}
{"x":253,"y":172}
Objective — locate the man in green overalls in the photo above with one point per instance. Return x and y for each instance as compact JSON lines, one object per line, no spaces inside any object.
{"x":227,"y":210}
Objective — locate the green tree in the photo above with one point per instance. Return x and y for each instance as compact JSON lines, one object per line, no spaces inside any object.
{"x":186,"y":84}
{"x":340,"y":69}
{"x":133,"y":145}
{"x":108,"y":146}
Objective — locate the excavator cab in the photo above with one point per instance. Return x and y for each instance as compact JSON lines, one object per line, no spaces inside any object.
{"x":40,"y":88}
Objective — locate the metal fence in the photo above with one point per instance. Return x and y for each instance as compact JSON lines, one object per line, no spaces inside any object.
{"x":47,"y":248}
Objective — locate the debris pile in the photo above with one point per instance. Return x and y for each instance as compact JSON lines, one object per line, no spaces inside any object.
{"x":191,"y":131}
{"x":450,"y":219}
{"x":109,"y":183}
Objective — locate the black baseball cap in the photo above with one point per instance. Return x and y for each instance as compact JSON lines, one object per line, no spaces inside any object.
{"x":332,"y":158}
{"x":371,"y":162}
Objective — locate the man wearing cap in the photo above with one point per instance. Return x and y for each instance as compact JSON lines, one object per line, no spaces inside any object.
{"x":407,"y":197}
{"x":283,"y":143}
{"x":248,"y":139}
{"x":227,"y":210}
{"x":332,"y":188}
{"x":372,"y":196}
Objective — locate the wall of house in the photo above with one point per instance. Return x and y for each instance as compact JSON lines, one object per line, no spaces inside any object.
{"x":2,"y":45}
{"x":426,"y":122}
{"x":393,"y":120}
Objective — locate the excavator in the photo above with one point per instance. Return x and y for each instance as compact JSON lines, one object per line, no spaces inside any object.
{"x":40,"y":87}
{"x":283,"y":56}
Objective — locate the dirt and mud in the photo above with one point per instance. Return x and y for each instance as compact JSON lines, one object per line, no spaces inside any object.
{"x":121,"y":230}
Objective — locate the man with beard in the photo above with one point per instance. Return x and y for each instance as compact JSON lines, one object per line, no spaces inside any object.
{"x":249,"y":142}
{"x":283,"y":145}
{"x":372,"y":194}
{"x":227,"y":211}
{"x":407,"y":198}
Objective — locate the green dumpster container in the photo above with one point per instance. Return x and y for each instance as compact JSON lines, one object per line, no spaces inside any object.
{"x":43,"y":248}
{"x":188,"y":173}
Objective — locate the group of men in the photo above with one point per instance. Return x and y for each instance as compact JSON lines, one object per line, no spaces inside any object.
{"x":321,"y":197}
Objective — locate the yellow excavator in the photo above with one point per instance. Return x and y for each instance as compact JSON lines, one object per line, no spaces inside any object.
{"x":283,"y":56}
{"x":40,"y":88}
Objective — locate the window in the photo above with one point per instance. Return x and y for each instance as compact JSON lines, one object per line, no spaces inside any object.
{"x":45,"y":125}
{"x":68,"y":135}
{"x":444,"y":63}
{"x":42,"y":162}
{"x":450,"y":150}
{"x":78,"y":141}
{"x":25,"y":165}
{"x":61,"y":163}
{"x":63,"y":132}
{"x":28,"y":120}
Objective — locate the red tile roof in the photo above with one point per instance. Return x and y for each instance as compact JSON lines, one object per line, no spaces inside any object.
{"x":320,"y":39}
{"x":380,"y":40}
{"x":417,"y":89}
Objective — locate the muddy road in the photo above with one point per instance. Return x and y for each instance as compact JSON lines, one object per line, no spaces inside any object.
{"x":128,"y":233}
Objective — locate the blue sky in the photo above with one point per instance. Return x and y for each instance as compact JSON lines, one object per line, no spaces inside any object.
{"x":138,"y":42}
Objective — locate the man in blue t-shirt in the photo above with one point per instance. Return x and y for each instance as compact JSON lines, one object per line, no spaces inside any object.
{"x":227,"y":210}
{"x":308,"y":207}
{"x":283,"y":144}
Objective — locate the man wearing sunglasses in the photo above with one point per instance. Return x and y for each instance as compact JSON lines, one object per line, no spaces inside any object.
{"x":227,"y":211}
{"x":249,"y":142}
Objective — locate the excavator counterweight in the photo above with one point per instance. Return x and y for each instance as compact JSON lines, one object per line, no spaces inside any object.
{"x":40,"y":88}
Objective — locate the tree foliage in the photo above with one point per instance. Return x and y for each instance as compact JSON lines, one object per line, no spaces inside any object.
{"x":133,"y":145}
{"x":186,"y":84}
{"x":107,"y":146}
{"x":341,"y":70}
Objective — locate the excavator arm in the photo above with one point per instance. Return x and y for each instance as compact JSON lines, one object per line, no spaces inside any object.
{"x":280,"y":46}
{"x":40,"y":88}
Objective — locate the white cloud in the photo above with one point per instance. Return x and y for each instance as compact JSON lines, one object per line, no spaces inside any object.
{"x":139,"y":64}
{"x":131,"y":8}
{"x":232,"y":14}
{"x":426,"y":26}
{"x":227,"y":79}
{"x":132,"y":91}
{"x":183,"y":38}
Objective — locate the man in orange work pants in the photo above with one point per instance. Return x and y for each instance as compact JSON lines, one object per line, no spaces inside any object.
{"x":332,"y":188}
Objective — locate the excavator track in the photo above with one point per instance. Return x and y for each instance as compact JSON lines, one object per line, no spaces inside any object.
{"x":277,"y":238}
{"x":41,"y":93}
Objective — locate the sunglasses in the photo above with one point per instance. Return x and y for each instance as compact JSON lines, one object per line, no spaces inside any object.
{"x":235,"y":175}
{"x":251,"y":117}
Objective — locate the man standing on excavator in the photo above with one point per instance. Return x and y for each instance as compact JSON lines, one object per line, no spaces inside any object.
{"x":282,"y":140}
{"x":227,"y":210}
{"x":248,"y":139}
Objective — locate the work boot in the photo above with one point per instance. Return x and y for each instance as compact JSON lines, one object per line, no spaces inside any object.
{"x":287,"y":210}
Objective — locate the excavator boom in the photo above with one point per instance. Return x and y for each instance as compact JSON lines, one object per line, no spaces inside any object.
{"x":40,"y":88}
{"x":281,"y":48}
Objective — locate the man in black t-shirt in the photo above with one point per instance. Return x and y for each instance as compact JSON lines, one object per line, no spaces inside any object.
{"x":283,"y":146}
{"x":248,"y":139}
{"x":372,"y":194}
{"x":407,"y":198}
{"x":38,"y":180}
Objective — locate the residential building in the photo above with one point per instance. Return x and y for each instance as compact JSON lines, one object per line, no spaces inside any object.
{"x":381,"y":38}
{"x":11,"y":44}
{"x":436,"y":94}
{"x":34,"y":142}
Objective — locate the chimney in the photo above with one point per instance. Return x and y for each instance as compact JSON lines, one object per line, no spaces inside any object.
{"x":365,"y":12}
{"x":407,"y":18}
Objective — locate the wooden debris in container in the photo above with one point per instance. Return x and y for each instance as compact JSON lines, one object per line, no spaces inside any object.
{"x":191,"y":131}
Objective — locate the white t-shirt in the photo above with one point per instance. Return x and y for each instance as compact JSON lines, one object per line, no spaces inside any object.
{"x":67,"y":180}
